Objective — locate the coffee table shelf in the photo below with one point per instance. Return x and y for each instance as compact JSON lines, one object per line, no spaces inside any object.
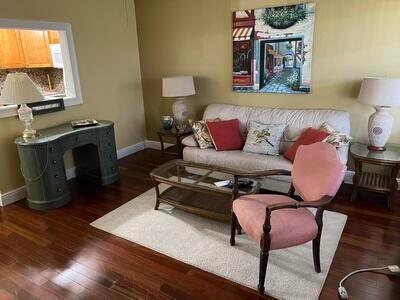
{"x":191,"y":188}
{"x":218,"y":207}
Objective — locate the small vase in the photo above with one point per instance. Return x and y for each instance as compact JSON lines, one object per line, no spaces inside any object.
{"x":167,"y":122}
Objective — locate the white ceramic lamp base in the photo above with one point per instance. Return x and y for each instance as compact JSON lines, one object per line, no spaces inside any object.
{"x":179,"y":109}
{"x":380,"y":126}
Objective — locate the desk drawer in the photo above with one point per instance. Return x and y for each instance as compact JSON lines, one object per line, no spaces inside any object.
{"x":107,"y":136}
{"x":109,"y":161}
{"x":55,"y":182}
{"x":78,"y":139}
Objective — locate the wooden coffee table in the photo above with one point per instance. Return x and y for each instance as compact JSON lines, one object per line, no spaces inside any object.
{"x":191,"y":188}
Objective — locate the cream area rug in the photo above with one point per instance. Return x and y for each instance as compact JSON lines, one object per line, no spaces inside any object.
{"x":204,"y":243}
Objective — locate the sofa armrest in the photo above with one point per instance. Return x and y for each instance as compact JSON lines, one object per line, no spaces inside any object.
{"x":190,"y":141}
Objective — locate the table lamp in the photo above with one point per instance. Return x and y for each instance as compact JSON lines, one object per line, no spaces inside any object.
{"x":382,"y":93}
{"x":19,"y":89}
{"x":178,"y":87}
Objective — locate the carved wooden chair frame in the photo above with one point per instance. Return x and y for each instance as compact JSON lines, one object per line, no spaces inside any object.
{"x":265,"y":240}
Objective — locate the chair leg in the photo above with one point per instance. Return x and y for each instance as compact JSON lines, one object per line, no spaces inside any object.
{"x":239,"y":228}
{"x":317,"y":241}
{"x":263,"y":271}
{"x":234,"y":223}
{"x":316,"y":253}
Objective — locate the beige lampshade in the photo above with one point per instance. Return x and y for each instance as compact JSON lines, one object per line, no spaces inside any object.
{"x":19,"y":89}
{"x":180,"y":86}
{"x":380,"y":92}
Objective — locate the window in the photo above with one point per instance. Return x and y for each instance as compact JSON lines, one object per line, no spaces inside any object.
{"x":44,"y":50}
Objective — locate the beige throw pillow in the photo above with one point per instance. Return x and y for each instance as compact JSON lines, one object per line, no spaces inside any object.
{"x":201,"y":134}
{"x":264,"y":138}
{"x":335,"y":138}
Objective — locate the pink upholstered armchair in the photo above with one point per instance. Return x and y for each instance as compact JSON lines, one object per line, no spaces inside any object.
{"x":278,"y":221}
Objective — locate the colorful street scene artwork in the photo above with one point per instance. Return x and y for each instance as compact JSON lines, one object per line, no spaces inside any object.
{"x":272,"y":49}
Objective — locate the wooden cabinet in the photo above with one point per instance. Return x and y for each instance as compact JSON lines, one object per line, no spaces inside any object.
{"x":11,"y":53}
{"x":26,"y":48}
{"x":35,"y":44}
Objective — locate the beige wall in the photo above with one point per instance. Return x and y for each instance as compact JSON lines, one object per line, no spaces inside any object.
{"x":108,"y":61}
{"x":353,"y":39}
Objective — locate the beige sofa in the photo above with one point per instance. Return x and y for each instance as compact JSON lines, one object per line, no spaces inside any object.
{"x":297,"y":121}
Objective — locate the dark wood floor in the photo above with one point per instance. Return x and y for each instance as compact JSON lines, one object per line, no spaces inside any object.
{"x":57,"y":254}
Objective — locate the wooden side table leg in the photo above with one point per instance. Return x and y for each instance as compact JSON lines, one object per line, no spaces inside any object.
{"x":179,"y":147}
{"x":394,"y":185}
{"x":162,"y":146}
{"x":356,"y":180}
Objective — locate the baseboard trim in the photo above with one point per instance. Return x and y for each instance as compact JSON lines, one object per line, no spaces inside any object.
{"x":12,"y":196}
{"x":123,"y":152}
{"x":155,"y":145}
{"x":20,"y":193}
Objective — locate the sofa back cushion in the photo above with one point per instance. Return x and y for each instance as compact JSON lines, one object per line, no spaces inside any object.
{"x":297,"y":120}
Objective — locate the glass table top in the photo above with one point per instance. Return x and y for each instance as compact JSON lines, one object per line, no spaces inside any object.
{"x":392,"y":154}
{"x":178,"y":171}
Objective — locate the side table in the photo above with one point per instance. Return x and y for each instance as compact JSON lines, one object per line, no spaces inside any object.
{"x":386,"y":184}
{"x":173,"y":133}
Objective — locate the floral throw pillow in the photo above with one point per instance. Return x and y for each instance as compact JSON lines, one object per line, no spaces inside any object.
{"x":201,"y":134}
{"x":335,"y":138}
{"x":264,"y":138}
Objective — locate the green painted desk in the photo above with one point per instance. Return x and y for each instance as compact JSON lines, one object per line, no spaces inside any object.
{"x":42,"y":161}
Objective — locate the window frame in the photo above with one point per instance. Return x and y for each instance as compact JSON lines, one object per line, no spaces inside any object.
{"x":71,"y":80}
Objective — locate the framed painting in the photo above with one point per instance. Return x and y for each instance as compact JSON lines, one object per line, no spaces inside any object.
{"x":272,"y":49}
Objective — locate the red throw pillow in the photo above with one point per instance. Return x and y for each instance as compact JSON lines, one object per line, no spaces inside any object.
{"x":308,"y":137}
{"x":226,"y":135}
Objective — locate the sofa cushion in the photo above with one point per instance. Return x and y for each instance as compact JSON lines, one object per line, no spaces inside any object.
{"x":264,"y":138}
{"x":226,"y":135}
{"x":237,"y":159}
{"x":190,"y":141}
{"x":289,"y":227}
{"x":308,"y":137}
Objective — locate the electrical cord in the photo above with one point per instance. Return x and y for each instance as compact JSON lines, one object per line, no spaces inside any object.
{"x":342,"y":291}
